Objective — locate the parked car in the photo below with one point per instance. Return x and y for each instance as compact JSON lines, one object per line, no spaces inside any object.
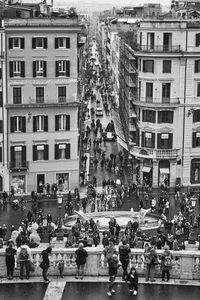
{"x":110,"y":136}
{"x":99,"y":112}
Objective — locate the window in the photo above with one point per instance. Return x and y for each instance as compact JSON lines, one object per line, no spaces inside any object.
{"x":167,"y":41}
{"x":166,"y":92}
{"x":150,"y":40}
{"x":62,"y":42}
{"x":164,"y":140}
{"x":195,"y":139}
{"x":165,"y":116}
{"x":18,"y":124}
{"x":197,"y":66}
{"x":62,"y":122}
{"x":63,"y":68}
{"x":62,"y":151}
{"x":196,"y":115}
{"x":149,"y":92}
{"x":17,"y":68}
{"x":148,"y":139}
{"x":148,"y":66}
{"x":17,"y":95}
{"x":149,"y":116}
{"x":61,"y":94}
{"x":195,"y":171}
{"x":40,"y":152}
{"x":39,"y":68}
{"x":16,"y":43}
{"x":167,"y":66}
{"x":198,"y":89}
{"x":197,"y":44}
{"x":39,"y":94}
{"x":39,"y":43}
{"x":40,"y":123}
{"x":18,"y":156}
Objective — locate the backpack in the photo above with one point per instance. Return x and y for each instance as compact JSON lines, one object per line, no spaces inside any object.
{"x":167,"y":261}
{"x":23,"y":255}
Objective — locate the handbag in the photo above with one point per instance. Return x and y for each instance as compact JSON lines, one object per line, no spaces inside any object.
{"x":42,"y":265}
{"x":31,"y":266}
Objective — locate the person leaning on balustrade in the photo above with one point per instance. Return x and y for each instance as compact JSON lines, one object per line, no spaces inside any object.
{"x":81,"y":256}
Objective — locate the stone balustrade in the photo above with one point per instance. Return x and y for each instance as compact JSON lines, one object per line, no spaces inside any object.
{"x":185,"y":264}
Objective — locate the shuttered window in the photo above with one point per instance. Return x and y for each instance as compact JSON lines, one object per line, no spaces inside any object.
{"x":164,"y":140}
{"x":40,"y":152}
{"x":39,"y":43}
{"x":165,"y":116}
{"x":16,"y":43}
{"x":40,"y":123}
{"x":18,"y":124}
{"x":62,"y":122}
{"x":63,"y":68}
{"x":62,"y":151}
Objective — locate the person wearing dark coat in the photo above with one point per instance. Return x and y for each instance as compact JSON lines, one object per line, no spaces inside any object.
{"x":45,"y":262}
{"x":132,"y":281}
{"x":124,"y":252}
{"x":113,"y":265}
{"x":10,"y":260}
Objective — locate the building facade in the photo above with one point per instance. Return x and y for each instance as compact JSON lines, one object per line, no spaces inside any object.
{"x":42,"y":104}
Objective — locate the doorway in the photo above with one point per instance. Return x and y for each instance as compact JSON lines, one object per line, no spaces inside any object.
{"x":40,"y":183}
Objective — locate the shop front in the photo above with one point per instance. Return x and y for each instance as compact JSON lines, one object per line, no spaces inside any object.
{"x":62,"y":180}
{"x":164,"y":172}
{"x":147,"y":171}
{"x":18,"y":184}
{"x":195,"y":171}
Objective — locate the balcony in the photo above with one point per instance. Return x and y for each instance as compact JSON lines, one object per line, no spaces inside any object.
{"x":18,"y":166}
{"x":154,"y":102}
{"x":167,"y":153}
{"x":185,"y":264}
{"x":142,"y":152}
{"x":159,"y":48}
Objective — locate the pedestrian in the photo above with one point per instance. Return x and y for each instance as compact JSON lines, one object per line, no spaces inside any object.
{"x":24,"y":257}
{"x":113,"y":265}
{"x":44,"y":265}
{"x":81,"y":256}
{"x":124,"y":257}
{"x":61,"y":267}
{"x":132,"y":281}
{"x":109,"y":250}
{"x":10,"y":260}
{"x":166,"y":263}
{"x":151,"y":260}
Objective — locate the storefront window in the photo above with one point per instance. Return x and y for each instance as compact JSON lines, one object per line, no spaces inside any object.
{"x":195,"y":171}
{"x":18,"y":183}
{"x":62,"y":180}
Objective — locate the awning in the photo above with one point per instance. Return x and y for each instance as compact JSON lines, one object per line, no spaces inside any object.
{"x":164,"y":171}
{"x":122,"y":143}
{"x":146,"y":169}
{"x":119,"y":130}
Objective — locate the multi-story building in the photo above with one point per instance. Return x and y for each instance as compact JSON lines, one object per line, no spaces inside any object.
{"x":42,"y":104}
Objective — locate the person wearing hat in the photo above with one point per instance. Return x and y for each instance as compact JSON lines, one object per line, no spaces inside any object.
{"x":166,"y":263}
{"x":113,"y":265}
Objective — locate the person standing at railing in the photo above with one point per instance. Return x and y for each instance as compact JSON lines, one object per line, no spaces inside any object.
{"x":81,"y":256}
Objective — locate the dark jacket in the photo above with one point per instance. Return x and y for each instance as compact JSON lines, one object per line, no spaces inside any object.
{"x":45,"y":258}
{"x":10,"y":256}
{"x":132,"y":278}
{"x":124,"y":251}
{"x":81,"y":255}
{"x":113,"y":265}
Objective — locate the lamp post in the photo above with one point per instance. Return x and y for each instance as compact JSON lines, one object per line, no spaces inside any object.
{"x":60,"y":234}
{"x":191,"y":235}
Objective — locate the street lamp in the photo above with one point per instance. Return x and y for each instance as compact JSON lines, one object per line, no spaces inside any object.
{"x":60,"y":234}
{"x":191,"y":235}
{"x":193,"y":201}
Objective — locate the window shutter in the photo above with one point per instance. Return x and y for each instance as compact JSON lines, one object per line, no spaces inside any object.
{"x":171,"y":117}
{"x":56,"y":43}
{"x":22,"y":43}
{"x":1,"y":126}
{"x":67,"y":151}
{"x":56,"y":151}
{"x":160,"y":117}
{"x":143,"y":115}
{"x":159,"y":140}
{"x":34,"y":152}
{"x":45,"y":43}
{"x":33,"y":43}
{"x":68,"y":43}
{"x":23,"y":124}
{"x":143,"y":139}
{"x":193,"y":139}
{"x":1,"y":99}
{"x":23,"y":153}
{"x":153,"y":141}
{"x":34,"y":68}
{"x":197,"y":40}
{"x":10,"y":43}
{"x":22,"y":68}
{"x":57,"y":71}
{"x":1,"y":154}
{"x":67,"y":68}
{"x":170,"y":143}
{"x":12,"y":154}
{"x":45,"y":123}
{"x":67,"y":122}
{"x":0,"y":73}
{"x":45,"y":69}
{"x":194,"y":116}
{"x":46,"y":152}
{"x":56,"y":123}
{"x":34,"y":124}
{"x":12,"y":124}
{"x":11,"y":68}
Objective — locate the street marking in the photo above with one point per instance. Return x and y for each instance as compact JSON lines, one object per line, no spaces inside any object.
{"x":55,"y":290}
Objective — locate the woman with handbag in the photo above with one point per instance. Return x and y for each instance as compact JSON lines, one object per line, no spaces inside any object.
{"x":151,"y":260}
{"x":44,"y":265}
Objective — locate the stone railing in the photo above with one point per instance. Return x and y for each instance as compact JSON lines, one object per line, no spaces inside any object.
{"x":185,"y":264}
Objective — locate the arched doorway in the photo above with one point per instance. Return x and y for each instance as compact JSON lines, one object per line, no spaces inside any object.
{"x":164,"y":172}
